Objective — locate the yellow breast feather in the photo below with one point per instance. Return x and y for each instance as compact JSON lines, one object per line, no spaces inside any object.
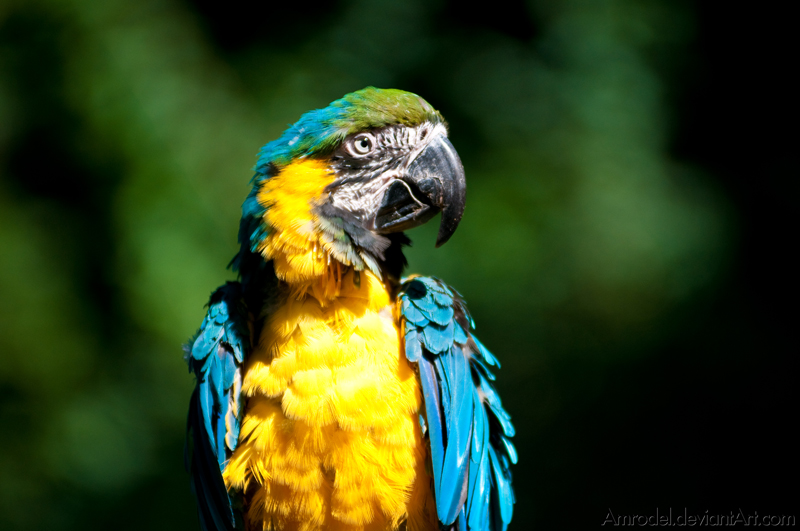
{"x":331,"y":436}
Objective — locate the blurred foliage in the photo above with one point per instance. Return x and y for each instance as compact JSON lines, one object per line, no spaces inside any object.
{"x":128,"y":131}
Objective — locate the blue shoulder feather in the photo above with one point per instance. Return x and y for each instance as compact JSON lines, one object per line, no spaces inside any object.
{"x":468,"y":429}
{"x":215,"y":355}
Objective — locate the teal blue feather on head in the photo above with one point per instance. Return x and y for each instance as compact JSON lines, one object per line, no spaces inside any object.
{"x":321,"y":131}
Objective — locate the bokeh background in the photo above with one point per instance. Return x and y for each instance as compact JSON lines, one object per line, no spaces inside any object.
{"x":625,"y":248}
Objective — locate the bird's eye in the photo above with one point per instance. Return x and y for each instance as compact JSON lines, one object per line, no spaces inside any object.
{"x":362,"y":144}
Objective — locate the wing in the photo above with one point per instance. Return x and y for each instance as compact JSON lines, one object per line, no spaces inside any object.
{"x":467,"y":426}
{"x":215,"y":355}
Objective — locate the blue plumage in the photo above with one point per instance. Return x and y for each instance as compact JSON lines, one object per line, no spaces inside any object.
{"x":468,"y":428}
{"x":215,"y":356}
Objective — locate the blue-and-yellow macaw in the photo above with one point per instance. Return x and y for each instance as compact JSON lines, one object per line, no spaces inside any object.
{"x":330,"y":393}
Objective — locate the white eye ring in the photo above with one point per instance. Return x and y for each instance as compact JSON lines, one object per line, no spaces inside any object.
{"x":362,"y":144}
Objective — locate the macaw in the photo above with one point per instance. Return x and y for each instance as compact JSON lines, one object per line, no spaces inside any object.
{"x":330,"y":392}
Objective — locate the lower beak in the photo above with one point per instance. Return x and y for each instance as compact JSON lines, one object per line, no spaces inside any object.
{"x":434,"y":182}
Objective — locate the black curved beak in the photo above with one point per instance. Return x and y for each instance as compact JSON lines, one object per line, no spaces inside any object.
{"x":434,"y":182}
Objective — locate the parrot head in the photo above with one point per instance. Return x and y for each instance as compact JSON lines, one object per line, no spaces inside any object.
{"x":348,"y":178}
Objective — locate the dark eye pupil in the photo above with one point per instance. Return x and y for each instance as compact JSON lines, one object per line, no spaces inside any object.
{"x":363,"y":143}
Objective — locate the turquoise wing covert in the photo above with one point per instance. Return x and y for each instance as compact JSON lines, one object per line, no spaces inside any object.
{"x":216,"y":355}
{"x":468,"y":428}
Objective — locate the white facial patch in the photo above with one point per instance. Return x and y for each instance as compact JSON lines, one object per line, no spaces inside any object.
{"x":396,"y":148}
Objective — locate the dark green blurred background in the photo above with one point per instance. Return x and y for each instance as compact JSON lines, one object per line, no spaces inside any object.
{"x":623,"y":250}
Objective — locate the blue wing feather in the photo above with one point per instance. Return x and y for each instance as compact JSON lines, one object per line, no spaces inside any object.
{"x":433,"y":410}
{"x":451,"y":485}
{"x":479,"y":470}
{"x":441,"y":315}
{"x":467,"y":427}
{"x":436,"y":341}
{"x":215,"y":413}
{"x":414,"y":348}
{"x":487,"y":356}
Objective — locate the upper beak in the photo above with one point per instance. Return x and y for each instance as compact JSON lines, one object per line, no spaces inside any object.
{"x":433,"y":182}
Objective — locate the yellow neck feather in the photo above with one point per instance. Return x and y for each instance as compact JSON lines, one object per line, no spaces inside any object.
{"x":300,"y":254}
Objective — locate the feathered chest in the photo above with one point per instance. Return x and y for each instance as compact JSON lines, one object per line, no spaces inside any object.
{"x":331,"y":432}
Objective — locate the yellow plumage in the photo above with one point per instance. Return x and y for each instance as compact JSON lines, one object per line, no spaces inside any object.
{"x":331,"y":436}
